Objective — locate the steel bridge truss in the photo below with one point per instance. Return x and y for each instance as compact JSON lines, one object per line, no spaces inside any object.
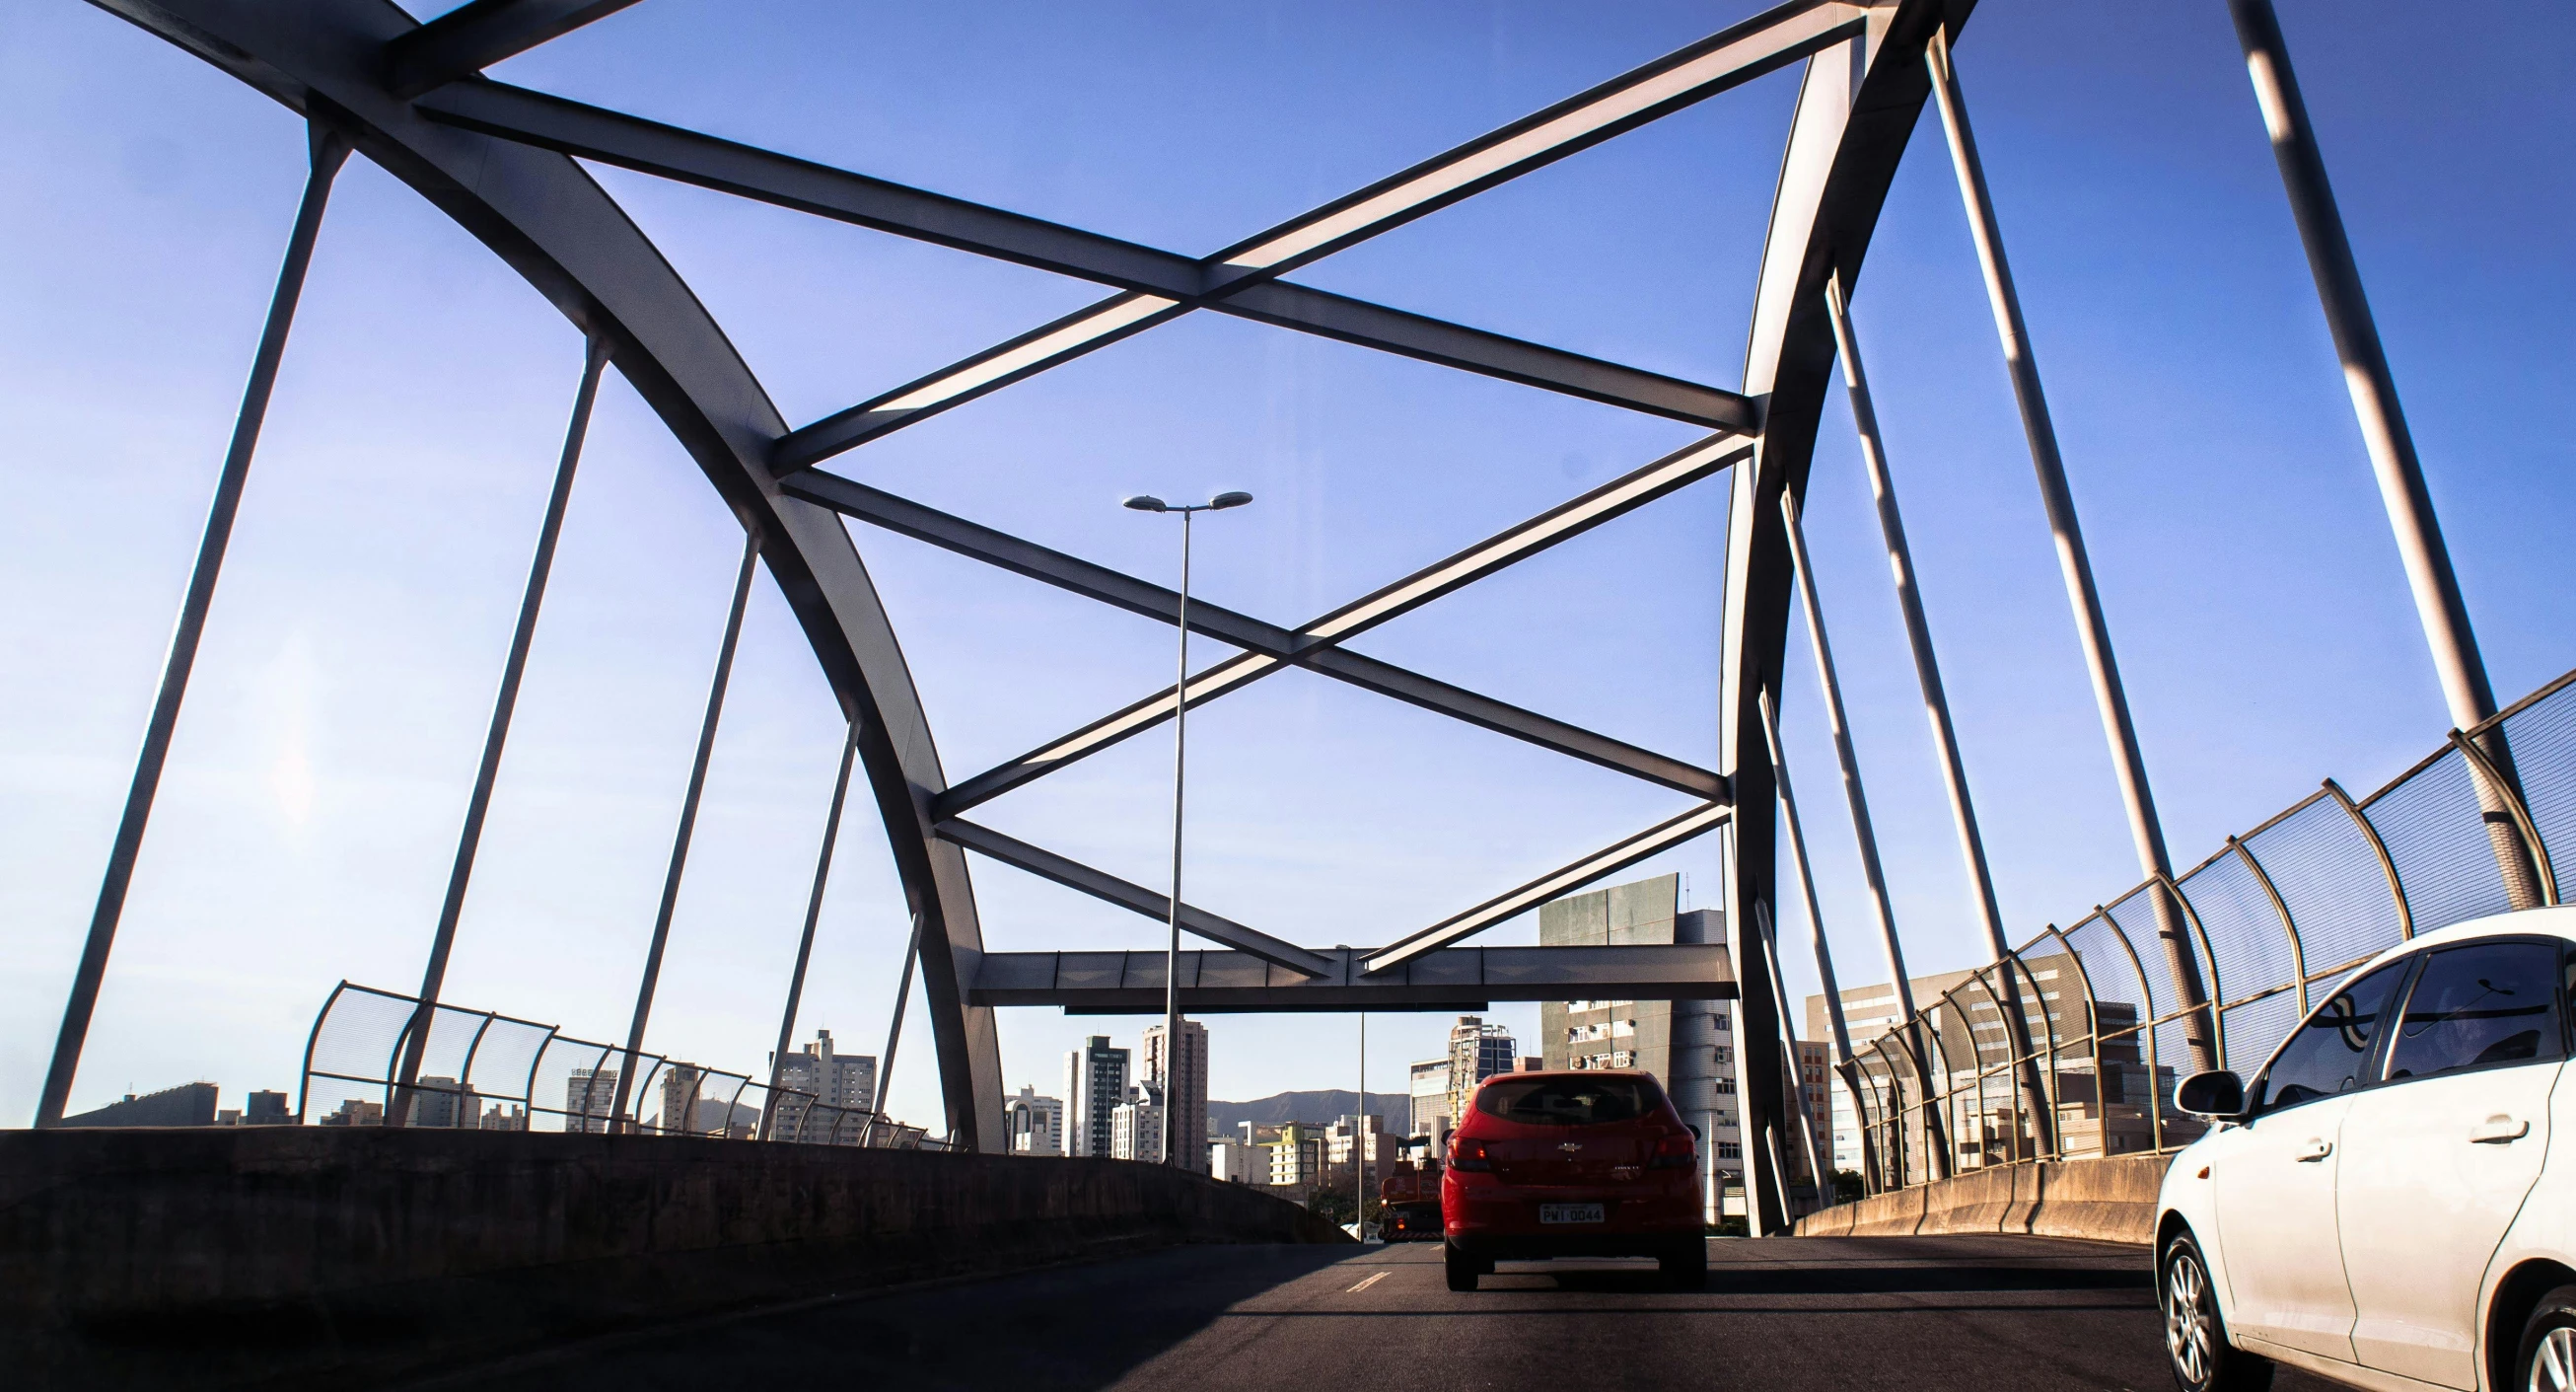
{"x":501,"y":160}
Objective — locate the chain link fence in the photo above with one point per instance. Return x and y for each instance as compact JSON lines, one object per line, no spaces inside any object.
{"x":493,"y":1072}
{"x":2213,"y":968}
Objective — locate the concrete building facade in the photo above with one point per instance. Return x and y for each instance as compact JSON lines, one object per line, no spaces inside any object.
{"x":1431,"y":1117}
{"x":1136,"y":1125}
{"x":1181,"y":1083}
{"x":841,"y":1083}
{"x":1237,"y":1161}
{"x":1035,"y":1124}
{"x":1477,"y":1051}
{"x":1095,"y":1083}
{"x":1689,"y":1046}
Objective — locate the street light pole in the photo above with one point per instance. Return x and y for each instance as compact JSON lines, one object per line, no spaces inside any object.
{"x":1144,"y":502}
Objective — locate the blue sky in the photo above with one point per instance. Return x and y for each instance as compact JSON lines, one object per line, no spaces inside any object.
{"x":304,"y":832}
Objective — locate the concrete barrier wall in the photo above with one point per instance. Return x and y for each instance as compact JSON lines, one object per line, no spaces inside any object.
{"x":304,"y":1256}
{"x":2112,"y":1199}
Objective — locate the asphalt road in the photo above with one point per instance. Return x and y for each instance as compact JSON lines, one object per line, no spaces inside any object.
{"x":1778,"y":1315}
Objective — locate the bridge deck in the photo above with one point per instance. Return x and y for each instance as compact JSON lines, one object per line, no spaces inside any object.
{"x":1967,"y":1312}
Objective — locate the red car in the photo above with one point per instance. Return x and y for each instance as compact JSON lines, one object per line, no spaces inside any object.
{"x":1590,"y":1163}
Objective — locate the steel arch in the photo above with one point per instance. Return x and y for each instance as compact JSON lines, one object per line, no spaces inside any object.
{"x":545,"y":217}
{"x":356,"y":64}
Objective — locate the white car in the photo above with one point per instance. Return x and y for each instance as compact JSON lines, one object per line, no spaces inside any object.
{"x":2384,"y":1206}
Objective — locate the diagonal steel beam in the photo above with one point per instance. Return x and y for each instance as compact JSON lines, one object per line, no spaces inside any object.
{"x":1269,"y":646}
{"x":1156,"y":284}
{"x":1100,"y":885}
{"x":1609,"y":860}
{"x":1763,"y":44}
{"x":474,"y":36}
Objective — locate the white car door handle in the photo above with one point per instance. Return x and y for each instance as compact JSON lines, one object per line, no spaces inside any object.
{"x":2499,"y":1130}
{"x":2317,"y":1148}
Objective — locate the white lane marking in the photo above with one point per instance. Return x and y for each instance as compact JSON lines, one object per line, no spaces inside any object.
{"x":1364,"y":1285}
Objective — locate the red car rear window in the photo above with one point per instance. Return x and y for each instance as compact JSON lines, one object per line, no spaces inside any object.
{"x":1568,"y":1101}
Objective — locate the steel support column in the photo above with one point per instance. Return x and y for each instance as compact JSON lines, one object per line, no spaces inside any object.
{"x":328,"y":149}
{"x":477,"y":804}
{"x":688,"y":827}
{"x":1864,"y":830}
{"x":2418,"y":530}
{"x":2092,"y":629}
{"x":1824,"y":953}
{"x":894,"y":1036}
{"x":813,"y":916}
{"x":1936,"y":703}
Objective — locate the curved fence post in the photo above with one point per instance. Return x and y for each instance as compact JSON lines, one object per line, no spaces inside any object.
{"x":2387,"y":863}
{"x":2092,"y":1035}
{"x":2217,"y":992}
{"x":304,"y":1084}
{"x":2499,"y":789}
{"x":2289,"y":926}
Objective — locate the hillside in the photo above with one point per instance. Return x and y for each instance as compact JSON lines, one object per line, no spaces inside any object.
{"x":1315,"y":1107}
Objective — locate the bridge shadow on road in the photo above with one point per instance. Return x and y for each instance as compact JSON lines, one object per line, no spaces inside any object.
{"x":1072,"y":1328}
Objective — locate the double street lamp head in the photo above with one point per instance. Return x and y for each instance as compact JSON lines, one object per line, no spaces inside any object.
{"x":1147,"y":502}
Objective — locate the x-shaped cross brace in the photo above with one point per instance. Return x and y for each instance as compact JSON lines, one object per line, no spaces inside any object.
{"x":1154,"y":287}
{"x":1315,"y":646}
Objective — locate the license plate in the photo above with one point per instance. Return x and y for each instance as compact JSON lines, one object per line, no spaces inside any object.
{"x":1570,"y":1213}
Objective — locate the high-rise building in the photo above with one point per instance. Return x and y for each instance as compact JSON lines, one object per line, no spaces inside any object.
{"x":1297,"y":1156}
{"x":823,"y":1094}
{"x":680,"y":1084}
{"x":590,"y":1095}
{"x":1182,"y":1085}
{"x":1477,"y":1051}
{"x":443,"y":1102}
{"x":1095,"y":1082}
{"x":1378,"y":1147}
{"x":1689,"y":1046}
{"x":1136,"y":1125}
{"x":1035,"y":1124}
{"x":267,"y":1109}
{"x":1431,"y":1115}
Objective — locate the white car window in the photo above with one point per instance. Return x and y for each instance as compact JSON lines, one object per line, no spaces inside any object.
{"x":2330,"y":1051}
{"x":2479,"y":1004}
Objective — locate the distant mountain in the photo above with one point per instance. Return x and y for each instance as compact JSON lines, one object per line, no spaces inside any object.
{"x":1318,"y":1108}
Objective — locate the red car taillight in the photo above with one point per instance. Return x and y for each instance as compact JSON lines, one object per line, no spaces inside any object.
{"x":1471,"y":1156}
{"x":1673,"y":1152}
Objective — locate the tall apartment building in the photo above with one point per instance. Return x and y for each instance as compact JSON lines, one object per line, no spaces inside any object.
{"x":1370,"y":1135}
{"x":1477,"y":1051}
{"x":1095,"y":1083}
{"x":1181,"y":1084}
{"x":1431,"y":1116}
{"x":841,"y":1084}
{"x":1297,"y":1156}
{"x":1689,"y":1046}
{"x":1035,"y":1124}
{"x":590,"y":1096}
{"x":680,"y":1084}
{"x":1136,"y":1125}
{"x":444,"y":1102}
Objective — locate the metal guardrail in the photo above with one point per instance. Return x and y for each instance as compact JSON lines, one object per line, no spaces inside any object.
{"x":2276,"y":914}
{"x":485,"y":1070}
